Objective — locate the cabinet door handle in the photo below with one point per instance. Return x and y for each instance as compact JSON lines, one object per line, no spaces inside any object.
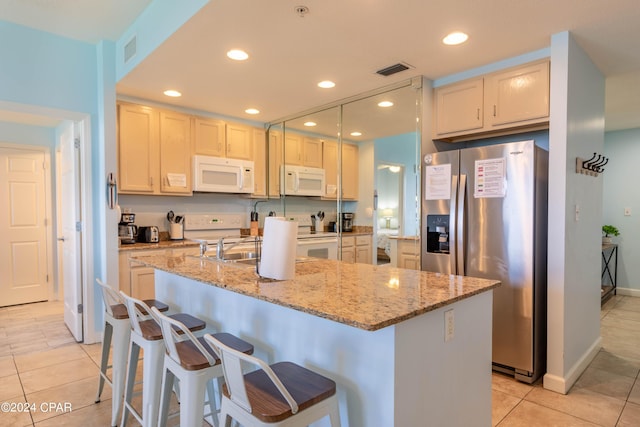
{"x":151,"y":181}
{"x":494,"y":110}
{"x":477,"y":114}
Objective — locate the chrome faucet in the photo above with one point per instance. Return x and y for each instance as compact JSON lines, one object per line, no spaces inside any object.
{"x":220,"y":250}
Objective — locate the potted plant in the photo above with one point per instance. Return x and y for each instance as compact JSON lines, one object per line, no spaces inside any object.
{"x":608,"y":231}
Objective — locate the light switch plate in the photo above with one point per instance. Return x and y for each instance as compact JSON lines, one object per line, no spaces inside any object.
{"x":627,"y":211}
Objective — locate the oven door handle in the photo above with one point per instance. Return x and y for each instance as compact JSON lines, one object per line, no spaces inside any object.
{"x":306,"y":242}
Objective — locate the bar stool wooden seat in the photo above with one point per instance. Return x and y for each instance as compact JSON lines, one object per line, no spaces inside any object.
{"x":146,"y":334}
{"x":282,"y":394}
{"x":195,"y":365}
{"x":117,"y":330}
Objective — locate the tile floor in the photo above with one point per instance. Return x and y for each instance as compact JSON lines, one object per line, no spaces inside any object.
{"x":40,"y":363}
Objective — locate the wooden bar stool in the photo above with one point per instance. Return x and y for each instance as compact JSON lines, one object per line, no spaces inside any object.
{"x":117,"y":330}
{"x":146,"y":334}
{"x":282,"y":394}
{"x":195,"y":365}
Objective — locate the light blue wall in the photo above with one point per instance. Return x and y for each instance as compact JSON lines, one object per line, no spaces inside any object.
{"x":402,"y":149}
{"x":620,"y":191}
{"x":42,"y":69}
{"x":16,"y":133}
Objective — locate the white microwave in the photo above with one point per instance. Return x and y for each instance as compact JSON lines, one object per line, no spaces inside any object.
{"x":303,"y":181}
{"x":222,"y":175}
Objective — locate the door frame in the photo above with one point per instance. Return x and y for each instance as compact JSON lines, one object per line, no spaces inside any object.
{"x":83,"y":121}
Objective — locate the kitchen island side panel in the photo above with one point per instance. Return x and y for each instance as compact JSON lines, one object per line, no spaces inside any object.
{"x":401,"y":375}
{"x":359,"y":361}
{"x":445,"y":383}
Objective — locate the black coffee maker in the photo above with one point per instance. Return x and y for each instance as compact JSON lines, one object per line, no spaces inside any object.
{"x":347,"y":221}
{"x":127,"y":231}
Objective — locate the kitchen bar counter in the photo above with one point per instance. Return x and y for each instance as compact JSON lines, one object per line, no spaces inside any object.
{"x":359,"y":295}
{"x":378,"y":332}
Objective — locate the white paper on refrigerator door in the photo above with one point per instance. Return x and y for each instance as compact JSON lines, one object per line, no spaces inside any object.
{"x":490,"y":178}
{"x":278,"y":259}
{"x":438,"y":182}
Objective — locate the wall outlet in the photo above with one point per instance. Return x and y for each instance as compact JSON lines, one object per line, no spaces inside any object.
{"x":627,"y":211}
{"x":449,"y":325}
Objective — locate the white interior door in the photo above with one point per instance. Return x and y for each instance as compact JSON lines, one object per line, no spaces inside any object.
{"x":69,"y":229}
{"x":23,"y":246}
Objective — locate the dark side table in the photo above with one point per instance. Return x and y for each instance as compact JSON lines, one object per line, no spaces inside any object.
{"x":609,"y":270}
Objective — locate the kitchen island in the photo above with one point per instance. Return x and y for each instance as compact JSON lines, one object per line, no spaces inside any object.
{"x":379,"y":332}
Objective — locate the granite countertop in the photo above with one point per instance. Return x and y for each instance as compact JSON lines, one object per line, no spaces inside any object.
{"x":360,"y":295}
{"x":162,"y":244}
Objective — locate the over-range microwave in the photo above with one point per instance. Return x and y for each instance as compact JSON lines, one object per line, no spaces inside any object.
{"x":222,"y":175}
{"x":303,"y":181}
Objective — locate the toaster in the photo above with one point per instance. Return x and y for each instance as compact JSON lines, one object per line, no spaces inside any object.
{"x":149,"y":234}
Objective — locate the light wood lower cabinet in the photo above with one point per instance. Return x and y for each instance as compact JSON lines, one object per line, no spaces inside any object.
{"x":405,"y":253}
{"x":136,"y":279}
{"x":356,"y":249}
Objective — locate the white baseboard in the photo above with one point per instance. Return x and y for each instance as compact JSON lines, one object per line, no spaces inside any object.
{"x":563,"y":384}
{"x":628,"y":292}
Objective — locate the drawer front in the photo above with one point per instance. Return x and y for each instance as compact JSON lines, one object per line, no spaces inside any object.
{"x":348,"y":241}
{"x":362,"y":240}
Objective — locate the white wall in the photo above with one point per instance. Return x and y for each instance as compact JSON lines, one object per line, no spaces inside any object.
{"x":576,"y":129}
{"x":621,"y":191}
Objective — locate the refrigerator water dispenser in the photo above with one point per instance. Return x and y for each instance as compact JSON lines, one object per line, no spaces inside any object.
{"x":438,"y":234}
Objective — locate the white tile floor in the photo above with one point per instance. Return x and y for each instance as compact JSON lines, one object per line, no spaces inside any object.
{"x":40,"y":363}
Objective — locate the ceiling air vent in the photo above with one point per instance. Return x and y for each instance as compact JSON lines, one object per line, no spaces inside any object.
{"x":393,"y":69}
{"x":130,"y":49}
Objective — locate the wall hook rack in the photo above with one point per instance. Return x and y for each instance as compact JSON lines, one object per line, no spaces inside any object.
{"x":592,"y":166}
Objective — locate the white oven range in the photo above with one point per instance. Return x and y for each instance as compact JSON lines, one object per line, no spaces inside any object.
{"x":210,"y":227}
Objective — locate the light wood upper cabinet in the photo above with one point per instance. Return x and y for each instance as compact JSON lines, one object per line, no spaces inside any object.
{"x":312,"y":152}
{"x":239,"y":141}
{"x":302,"y":151}
{"x":275,"y":161}
{"x":330,"y":165}
{"x":459,"y":107}
{"x":293,"y":149}
{"x":349,"y":170}
{"x":513,"y":100}
{"x":518,"y":96}
{"x":209,"y":137}
{"x":175,"y":153}
{"x":138,"y":156}
{"x":154,"y":151}
{"x":259,"y":162}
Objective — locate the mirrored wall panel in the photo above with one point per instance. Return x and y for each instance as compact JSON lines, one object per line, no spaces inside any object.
{"x":351,"y":170}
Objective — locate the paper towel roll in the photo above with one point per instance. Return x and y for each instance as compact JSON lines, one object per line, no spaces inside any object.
{"x":279,"y":240}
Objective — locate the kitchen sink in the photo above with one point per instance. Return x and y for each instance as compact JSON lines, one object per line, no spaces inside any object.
{"x":240,"y":256}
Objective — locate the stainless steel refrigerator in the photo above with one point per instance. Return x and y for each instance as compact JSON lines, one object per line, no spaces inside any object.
{"x":485,"y":215}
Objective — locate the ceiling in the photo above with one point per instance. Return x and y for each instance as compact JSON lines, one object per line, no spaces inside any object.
{"x":345,"y":42}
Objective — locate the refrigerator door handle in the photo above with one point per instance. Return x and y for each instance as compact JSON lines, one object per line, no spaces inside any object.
{"x":460,"y":240}
{"x":452,"y":224}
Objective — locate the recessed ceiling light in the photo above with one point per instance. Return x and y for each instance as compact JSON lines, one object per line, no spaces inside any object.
{"x":356,"y":133}
{"x":237,"y":54}
{"x":326,"y":84}
{"x":252,"y":111}
{"x":455,"y":38}
{"x":385,"y":104}
{"x":310,"y":124}
{"x":172,"y":93}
